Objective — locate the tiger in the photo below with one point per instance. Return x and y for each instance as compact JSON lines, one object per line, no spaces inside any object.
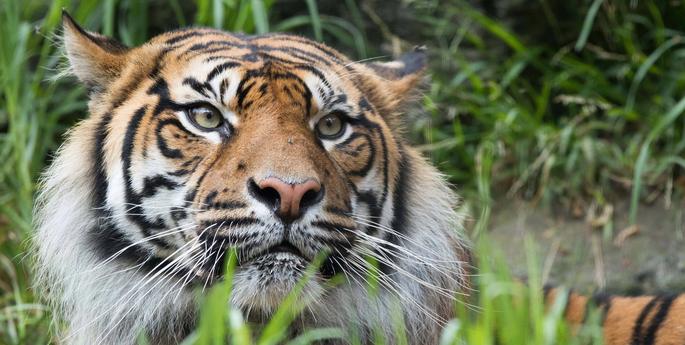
{"x":275,"y":146}
{"x":278,"y":149}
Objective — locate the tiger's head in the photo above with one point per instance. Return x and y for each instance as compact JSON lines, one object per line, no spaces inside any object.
{"x":275,"y":145}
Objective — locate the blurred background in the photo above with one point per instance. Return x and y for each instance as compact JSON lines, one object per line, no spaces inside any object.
{"x":556,"y":121}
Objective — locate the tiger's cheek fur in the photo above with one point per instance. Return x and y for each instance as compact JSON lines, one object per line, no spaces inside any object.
{"x":151,"y":168}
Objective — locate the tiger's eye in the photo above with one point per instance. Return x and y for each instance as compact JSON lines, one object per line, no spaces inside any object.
{"x":206,"y":117}
{"x":330,"y":126}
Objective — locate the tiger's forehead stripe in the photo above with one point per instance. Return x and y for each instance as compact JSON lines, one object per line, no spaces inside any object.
{"x":253,"y":51}
{"x":292,"y":44}
{"x":233,"y":86}
{"x":234,"y":50}
{"x":226,"y":76}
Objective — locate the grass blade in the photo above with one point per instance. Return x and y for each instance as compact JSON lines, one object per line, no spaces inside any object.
{"x":316,"y":19}
{"x":260,"y":16}
{"x":587,"y":24}
{"x":641,"y":164}
{"x":644,"y":68}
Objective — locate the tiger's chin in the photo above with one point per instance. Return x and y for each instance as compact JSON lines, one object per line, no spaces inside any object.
{"x":263,"y":283}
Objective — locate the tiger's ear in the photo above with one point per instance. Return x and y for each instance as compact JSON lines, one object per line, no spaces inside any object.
{"x":394,"y":83}
{"x":95,"y":59}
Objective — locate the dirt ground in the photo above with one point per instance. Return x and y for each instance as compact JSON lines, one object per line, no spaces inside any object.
{"x":590,"y":258}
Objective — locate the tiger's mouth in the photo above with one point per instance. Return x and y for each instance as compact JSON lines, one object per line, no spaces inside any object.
{"x":278,"y":257}
{"x":282,"y":252}
{"x":286,"y":247}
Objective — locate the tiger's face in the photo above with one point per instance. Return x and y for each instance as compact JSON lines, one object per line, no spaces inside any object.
{"x":274,"y":145}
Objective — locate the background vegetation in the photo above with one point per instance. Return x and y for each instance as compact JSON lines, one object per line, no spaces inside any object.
{"x":558,"y":102}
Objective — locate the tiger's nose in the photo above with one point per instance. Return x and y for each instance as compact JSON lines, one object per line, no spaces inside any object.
{"x":287,"y":200}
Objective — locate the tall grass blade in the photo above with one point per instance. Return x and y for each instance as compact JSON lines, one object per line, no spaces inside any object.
{"x":587,"y":24}
{"x":261,"y":18}
{"x":316,"y":19}
{"x":641,"y":163}
{"x":644,"y":68}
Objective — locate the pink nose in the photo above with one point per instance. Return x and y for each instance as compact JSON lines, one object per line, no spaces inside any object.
{"x":291,"y":198}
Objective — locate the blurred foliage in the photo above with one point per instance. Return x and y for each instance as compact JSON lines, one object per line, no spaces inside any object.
{"x":557,"y":102}
{"x":552,"y":101}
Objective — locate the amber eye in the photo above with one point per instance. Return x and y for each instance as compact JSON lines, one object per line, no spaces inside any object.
{"x":206,"y":117}
{"x":331,"y":126}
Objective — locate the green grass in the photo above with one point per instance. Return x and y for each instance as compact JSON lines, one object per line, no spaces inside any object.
{"x":582,"y":104}
{"x":567,"y":115}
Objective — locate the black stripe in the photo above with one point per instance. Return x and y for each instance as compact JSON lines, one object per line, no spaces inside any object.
{"x":222,"y":90}
{"x":201,"y":88}
{"x":243,"y":90}
{"x":227,"y":205}
{"x":364,"y":105}
{"x":315,"y":71}
{"x":125,"y":92}
{"x":335,"y":262}
{"x":659,"y":318}
{"x":108,"y":241}
{"x":370,"y":198}
{"x":219,"y":69}
{"x":159,"y":64}
{"x":107,"y":238}
{"x":354,"y":152}
{"x":361,"y":118}
{"x":99,"y":168}
{"x":209,"y":199}
{"x":400,"y":216}
{"x":337,"y":99}
{"x":289,"y":63}
{"x":307,"y":99}
{"x":386,"y":163}
{"x":637,"y":328}
{"x":221,"y":57}
{"x":190,"y":196}
{"x":211,"y":204}
{"x":335,"y":56}
{"x":247,"y":83}
{"x":215,"y":46}
{"x":400,"y":210}
{"x":162,"y":143}
{"x":186,"y":36}
{"x":152,"y":184}
{"x":136,"y":213}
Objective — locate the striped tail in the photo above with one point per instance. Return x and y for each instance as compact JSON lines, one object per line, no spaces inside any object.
{"x":641,"y":320}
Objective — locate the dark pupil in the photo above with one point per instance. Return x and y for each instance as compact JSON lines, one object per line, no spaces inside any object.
{"x":329,"y":123}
